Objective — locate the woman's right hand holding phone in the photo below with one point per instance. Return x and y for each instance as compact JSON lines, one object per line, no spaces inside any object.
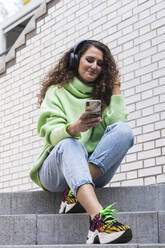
{"x":83,"y":123}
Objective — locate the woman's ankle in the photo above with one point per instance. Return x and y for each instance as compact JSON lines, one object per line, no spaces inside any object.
{"x":88,"y":199}
{"x":95,"y":213}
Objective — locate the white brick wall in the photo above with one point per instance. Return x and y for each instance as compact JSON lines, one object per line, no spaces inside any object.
{"x":134,"y":31}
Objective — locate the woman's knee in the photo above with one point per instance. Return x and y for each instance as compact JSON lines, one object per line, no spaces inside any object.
{"x":70,"y":145}
{"x":124,"y":131}
{"x":68,"y":142}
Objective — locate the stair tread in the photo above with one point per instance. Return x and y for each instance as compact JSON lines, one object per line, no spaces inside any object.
{"x":89,"y":246}
{"x":79,"y":214}
{"x":53,"y":228}
{"x":149,"y":197}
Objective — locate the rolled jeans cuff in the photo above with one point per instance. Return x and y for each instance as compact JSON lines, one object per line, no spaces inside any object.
{"x":97,"y":163}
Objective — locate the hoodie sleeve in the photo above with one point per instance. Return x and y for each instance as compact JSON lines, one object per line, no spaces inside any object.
{"x":52,"y":123}
{"x":116,"y":111}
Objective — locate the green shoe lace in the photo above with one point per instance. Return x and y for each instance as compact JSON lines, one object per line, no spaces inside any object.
{"x":71,"y":198}
{"x":70,"y":192}
{"x":107,"y":214}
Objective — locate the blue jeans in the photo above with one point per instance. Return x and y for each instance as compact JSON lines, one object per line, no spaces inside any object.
{"x":67,"y":163}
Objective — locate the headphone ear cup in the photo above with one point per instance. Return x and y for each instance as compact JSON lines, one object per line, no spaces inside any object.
{"x":74,"y":58}
{"x":76,"y":61}
{"x":71,"y":61}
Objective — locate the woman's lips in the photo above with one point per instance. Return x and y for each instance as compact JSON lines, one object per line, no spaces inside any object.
{"x":92,"y":73}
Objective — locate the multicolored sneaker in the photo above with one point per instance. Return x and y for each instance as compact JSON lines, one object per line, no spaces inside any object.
{"x":105,"y":229}
{"x":69,"y":203}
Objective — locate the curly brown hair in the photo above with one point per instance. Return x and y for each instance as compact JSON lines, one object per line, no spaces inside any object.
{"x":62,"y":73}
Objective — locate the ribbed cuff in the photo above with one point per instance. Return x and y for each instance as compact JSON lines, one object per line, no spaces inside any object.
{"x":60,"y":133}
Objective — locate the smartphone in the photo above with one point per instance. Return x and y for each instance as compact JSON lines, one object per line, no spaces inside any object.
{"x":94,"y":106}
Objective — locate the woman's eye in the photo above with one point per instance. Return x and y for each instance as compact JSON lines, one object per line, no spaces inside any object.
{"x":90,"y":60}
{"x":100,"y":64}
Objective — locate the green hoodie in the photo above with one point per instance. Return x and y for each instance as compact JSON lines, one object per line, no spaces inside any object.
{"x":63,"y":106}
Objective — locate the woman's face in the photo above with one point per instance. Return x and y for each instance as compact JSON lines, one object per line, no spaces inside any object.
{"x":90,"y":65}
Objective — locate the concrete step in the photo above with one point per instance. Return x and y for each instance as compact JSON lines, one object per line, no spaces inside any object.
{"x":51,"y":229}
{"x":137,"y":198}
{"x":88,"y":246}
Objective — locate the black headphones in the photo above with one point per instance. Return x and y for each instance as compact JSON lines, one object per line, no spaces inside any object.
{"x":74,"y":59}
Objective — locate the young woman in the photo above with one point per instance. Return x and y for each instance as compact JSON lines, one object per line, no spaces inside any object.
{"x":81,"y":152}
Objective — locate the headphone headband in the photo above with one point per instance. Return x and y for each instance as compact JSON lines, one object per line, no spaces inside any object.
{"x":77,"y":45}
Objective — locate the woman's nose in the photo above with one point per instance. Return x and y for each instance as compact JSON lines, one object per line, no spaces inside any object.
{"x":94,"y":65}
